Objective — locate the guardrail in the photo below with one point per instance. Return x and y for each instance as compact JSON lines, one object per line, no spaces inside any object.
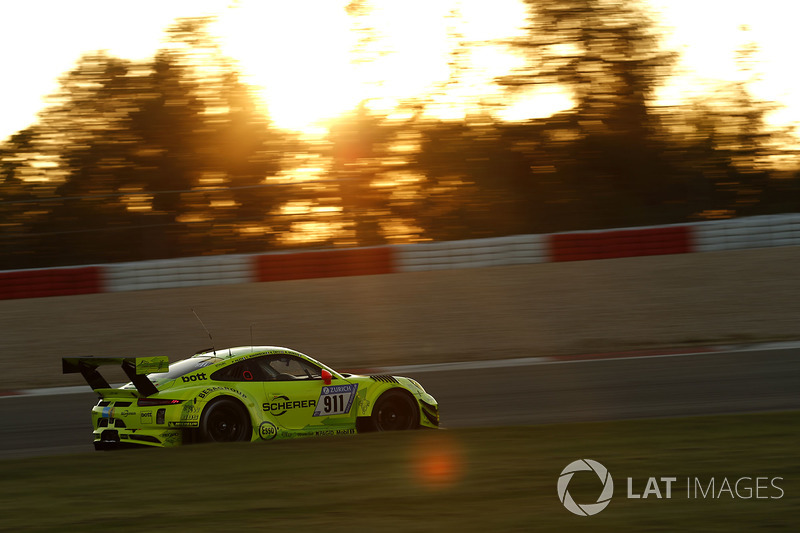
{"x":610,"y":244}
{"x":323,"y":264}
{"x":68,"y":281}
{"x":734,"y":234}
{"x":171,"y":273}
{"x":472,"y":253}
{"x":751,"y":232}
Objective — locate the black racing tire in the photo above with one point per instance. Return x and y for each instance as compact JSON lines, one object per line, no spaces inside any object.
{"x":395,"y":410}
{"x":225,"y":420}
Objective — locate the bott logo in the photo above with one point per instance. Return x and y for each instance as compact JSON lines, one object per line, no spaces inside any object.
{"x":196,"y":377}
{"x":585,"y":509}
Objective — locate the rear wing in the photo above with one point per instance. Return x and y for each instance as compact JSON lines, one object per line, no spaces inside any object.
{"x":136,"y":368}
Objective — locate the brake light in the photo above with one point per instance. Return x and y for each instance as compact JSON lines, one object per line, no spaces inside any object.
{"x":151,"y":402}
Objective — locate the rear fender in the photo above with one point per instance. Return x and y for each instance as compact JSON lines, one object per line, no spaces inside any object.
{"x":205,"y":395}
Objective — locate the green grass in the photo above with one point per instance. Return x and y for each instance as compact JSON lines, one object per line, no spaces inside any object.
{"x":498,"y":479}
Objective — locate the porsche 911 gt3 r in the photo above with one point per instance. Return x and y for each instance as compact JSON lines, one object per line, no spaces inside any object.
{"x":245,"y":394}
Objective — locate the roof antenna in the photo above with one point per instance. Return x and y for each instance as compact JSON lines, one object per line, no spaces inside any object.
{"x":206,"y":330}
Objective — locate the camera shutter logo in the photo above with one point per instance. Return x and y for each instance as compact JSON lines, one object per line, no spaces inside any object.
{"x":586,"y":509}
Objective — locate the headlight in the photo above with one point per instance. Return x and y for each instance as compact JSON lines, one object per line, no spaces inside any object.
{"x":416,"y":384}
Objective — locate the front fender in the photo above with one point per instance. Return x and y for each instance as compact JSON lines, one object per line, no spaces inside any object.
{"x":375,"y":387}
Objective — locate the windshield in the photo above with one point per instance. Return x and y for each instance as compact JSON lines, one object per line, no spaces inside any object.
{"x":181,"y":368}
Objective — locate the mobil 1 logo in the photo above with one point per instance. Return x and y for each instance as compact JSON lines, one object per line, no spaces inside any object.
{"x":335,"y":400}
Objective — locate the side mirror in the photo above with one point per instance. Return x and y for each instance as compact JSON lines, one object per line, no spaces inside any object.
{"x":326,"y":377}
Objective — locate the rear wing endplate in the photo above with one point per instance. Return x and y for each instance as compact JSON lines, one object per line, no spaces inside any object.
{"x":136,"y":368}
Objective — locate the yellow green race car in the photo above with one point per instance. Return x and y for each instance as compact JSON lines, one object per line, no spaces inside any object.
{"x":245,"y":394}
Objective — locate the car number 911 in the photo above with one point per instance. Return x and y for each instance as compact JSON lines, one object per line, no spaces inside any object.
{"x":335,"y":400}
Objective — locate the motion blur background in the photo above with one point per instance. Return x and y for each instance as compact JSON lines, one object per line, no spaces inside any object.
{"x":149,"y":130}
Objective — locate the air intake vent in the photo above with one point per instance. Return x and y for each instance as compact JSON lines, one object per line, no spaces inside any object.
{"x":385,"y":379}
{"x":122,"y":404}
{"x":431,"y":413}
{"x":109,"y":435}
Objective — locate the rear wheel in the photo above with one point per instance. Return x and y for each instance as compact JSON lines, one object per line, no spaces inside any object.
{"x":225,"y":421}
{"x":395,"y":411}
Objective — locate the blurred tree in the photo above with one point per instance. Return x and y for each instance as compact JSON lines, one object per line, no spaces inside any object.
{"x":472,"y":180}
{"x":23,"y":189}
{"x":169,"y":156}
{"x":723,"y":141}
{"x":172,"y":156}
{"x":608,"y":150}
{"x":367,"y":193}
{"x":359,"y":148}
{"x":601,"y":163}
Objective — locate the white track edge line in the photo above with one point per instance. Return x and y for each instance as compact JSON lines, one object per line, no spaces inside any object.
{"x":484,"y":365}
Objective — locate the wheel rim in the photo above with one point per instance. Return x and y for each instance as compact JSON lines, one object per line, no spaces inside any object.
{"x":225,"y":424}
{"x":395,"y":414}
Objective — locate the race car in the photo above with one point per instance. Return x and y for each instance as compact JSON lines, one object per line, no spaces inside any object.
{"x":245,"y":394}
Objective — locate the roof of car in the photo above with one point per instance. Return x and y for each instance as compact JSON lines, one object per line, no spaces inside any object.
{"x":229,"y":353}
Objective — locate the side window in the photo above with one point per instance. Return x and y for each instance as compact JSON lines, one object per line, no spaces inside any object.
{"x":288,"y":368}
{"x":241,"y":371}
{"x":263,"y":364}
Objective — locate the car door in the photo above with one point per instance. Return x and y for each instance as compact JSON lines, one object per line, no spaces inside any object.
{"x":296,"y":398}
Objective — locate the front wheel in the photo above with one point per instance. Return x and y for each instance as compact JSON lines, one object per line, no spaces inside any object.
{"x":395,"y":411}
{"x":225,"y":421}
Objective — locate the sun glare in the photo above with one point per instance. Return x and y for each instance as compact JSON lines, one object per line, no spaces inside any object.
{"x":711,"y":37}
{"x":296,"y":53}
{"x":312,"y":61}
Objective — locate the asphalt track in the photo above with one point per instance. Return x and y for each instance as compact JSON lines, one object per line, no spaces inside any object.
{"x":534,"y":391}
